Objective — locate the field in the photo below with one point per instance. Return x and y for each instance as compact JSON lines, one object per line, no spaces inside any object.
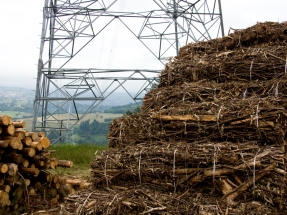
{"x":81,"y":155}
{"x":15,"y":114}
{"x":100,"y":117}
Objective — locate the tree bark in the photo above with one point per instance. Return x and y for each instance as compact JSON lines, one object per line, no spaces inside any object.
{"x":13,"y":142}
{"x":19,"y":124}
{"x":31,"y":171}
{"x":8,"y":130}
{"x":29,"y":152}
{"x":5,"y":120}
{"x":65,"y":163}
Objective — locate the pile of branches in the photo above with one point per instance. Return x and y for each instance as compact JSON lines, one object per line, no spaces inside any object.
{"x":251,"y":119}
{"x":229,"y":171}
{"x":144,"y":200}
{"x":209,"y":140}
{"x":256,"y":53}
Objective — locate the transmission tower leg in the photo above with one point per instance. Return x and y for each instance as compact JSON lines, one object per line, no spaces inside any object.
{"x":221,"y":18}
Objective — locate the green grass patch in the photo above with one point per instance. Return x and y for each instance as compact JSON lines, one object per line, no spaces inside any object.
{"x":81,"y":155}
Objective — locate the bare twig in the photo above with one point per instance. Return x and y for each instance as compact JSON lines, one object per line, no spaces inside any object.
{"x":154,"y":209}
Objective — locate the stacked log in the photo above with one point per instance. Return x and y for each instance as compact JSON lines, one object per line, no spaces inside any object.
{"x":24,"y":163}
{"x":211,"y":138}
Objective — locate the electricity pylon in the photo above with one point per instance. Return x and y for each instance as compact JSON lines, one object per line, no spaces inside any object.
{"x":70,"y":26}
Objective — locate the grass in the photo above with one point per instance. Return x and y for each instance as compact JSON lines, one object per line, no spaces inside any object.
{"x":81,"y":155}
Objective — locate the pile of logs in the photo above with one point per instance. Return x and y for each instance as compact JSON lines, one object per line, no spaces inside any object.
{"x":24,"y":160}
{"x":211,"y":138}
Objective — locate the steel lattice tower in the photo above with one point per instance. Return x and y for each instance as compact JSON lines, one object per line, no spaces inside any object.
{"x":70,"y":26}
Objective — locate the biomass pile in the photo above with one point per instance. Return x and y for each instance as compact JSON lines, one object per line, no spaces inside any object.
{"x":24,"y":162}
{"x":209,"y":140}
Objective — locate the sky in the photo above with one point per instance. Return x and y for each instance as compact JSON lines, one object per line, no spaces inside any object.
{"x":20,"y":23}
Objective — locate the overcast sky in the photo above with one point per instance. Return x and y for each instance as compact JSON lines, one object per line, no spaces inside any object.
{"x":21,"y":27}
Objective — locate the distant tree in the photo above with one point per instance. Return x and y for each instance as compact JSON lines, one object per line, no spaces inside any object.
{"x":136,"y":110}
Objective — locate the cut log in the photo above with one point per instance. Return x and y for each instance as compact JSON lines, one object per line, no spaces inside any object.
{"x":45,"y":177}
{"x":65,"y":163}
{"x":5,"y":120}
{"x":13,"y":142}
{"x":32,"y":165}
{"x":66,"y":190}
{"x":27,"y":141}
{"x":25,"y":162}
{"x":19,"y":124}
{"x":13,"y":158}
{"x":45,"y":155}
{"x":20,"y":146}
{"x":20,"y":134}
{"x":30,"y":171}
{"x":5,"y":188}
{"x":52,"y":164}
{"x":47,"y":164}
{"x":55,"y":160}
{"x":3,"y":144}
{"x":8,"y":130}
{"x":29,"y":152}
{"x":76,"y":182}
{"x":2,"y":181}
{"x":56,"y":185}
{"x":55,"y":179}
{"x":62,"y":181}
{"x":45,"y":142}
{"x":41,"y":134}
{"x":25,"y":131}
{"x":12,"y":169}
{"x":39,"y":163}
{"x":33,"y":135}
{"x":4,"y":198}
{"x":36,"y":145}
{"x":3,"y":168}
